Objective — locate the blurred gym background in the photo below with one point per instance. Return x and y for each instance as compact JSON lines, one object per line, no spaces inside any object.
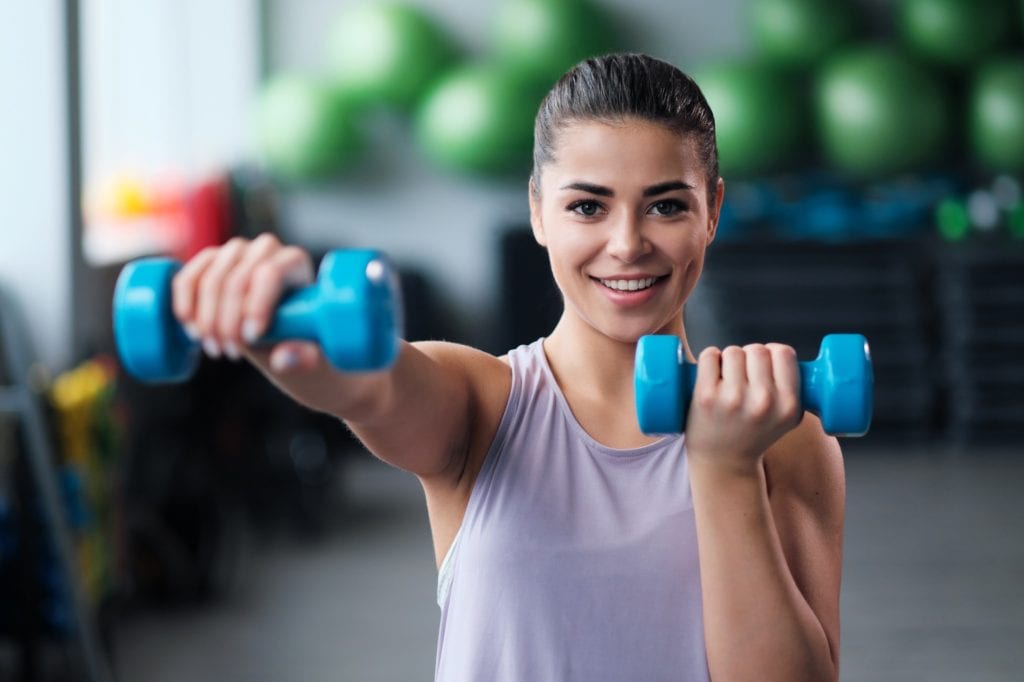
{"x":873,"y":153}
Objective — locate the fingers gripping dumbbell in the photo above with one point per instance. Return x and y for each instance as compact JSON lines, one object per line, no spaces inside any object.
{"x":353,"y":312}
{"x":837,"y":386}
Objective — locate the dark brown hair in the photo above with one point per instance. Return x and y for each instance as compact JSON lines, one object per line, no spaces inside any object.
{"x":618,"y":86}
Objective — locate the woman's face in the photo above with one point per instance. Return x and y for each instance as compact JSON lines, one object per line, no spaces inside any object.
{"x":623,"y":212}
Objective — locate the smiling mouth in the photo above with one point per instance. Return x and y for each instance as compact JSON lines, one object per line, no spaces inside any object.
{"x":629,"y":284}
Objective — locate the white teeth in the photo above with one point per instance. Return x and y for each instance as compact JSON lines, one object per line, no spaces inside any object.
{"x":629,"y":284}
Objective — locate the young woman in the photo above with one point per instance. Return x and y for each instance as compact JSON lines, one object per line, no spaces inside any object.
{"x":571,"y":546}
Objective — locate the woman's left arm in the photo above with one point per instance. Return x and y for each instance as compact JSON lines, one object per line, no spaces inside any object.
{"x":770,"y":541}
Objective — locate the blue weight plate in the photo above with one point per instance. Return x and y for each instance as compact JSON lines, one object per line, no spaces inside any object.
{"x":847,"y":407}
{"x":151,"y":343}
{"x":362,"y":310}
{"x":657,"y":380}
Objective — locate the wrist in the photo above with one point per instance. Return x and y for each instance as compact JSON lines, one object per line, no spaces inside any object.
{"x":724,"y":466}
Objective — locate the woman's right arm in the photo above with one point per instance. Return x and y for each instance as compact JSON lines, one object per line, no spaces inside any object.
{"x":416,"y":415}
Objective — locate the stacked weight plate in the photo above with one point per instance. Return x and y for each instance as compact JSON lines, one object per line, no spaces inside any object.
{"x":981,"y":296}
{"x":797,"y":292}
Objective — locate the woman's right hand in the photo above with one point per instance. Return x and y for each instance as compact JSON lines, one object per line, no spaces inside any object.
{"x":225,"y":297}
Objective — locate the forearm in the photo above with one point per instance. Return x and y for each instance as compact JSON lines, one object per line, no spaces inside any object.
{"x":323,"y":388}
{"x":757,"y":624}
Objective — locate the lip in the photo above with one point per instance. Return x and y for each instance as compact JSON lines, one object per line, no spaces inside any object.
{"x":629,"y":299}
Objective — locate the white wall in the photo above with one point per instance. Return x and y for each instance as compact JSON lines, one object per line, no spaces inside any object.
{"x":35,"y":261}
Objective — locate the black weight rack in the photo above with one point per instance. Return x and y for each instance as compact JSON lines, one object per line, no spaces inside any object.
{"x":796,"y":292}
{"x":981,"y":296}
{"x":20,"y":402}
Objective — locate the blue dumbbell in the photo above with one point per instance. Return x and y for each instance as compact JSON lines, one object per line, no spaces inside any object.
{"x":837,"y":386}
{"x":353,"y":311}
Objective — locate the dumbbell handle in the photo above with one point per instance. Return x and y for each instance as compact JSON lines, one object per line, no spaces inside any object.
{"x":294,"y":318}
{"x":836,"y":386}
{"x":812,"y":379}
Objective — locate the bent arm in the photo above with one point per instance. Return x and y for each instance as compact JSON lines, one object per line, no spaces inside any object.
{"x":770,"y":546}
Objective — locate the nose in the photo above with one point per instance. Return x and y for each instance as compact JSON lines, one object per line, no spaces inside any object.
{"x":627,"y":241}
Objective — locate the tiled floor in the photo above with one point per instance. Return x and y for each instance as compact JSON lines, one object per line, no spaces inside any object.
{"x":933,"y":586}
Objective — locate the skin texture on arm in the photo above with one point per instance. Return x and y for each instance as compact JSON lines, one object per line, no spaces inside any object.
{"x":770,"y":542}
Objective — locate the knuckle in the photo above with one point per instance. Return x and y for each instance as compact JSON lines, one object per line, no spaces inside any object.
{"x":710,"y":352}
{"x":266,"y":239}
{"x":782,"y":350}
{"x":756,"y":350}
{"x":205,"y":254}
{"x":705,"y":398}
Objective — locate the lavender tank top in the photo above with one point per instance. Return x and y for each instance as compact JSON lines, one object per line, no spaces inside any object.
{"x":574,"y":561}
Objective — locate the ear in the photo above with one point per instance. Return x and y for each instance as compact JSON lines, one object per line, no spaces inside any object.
{"x":715,"y":211}
{"x":536,"y":223}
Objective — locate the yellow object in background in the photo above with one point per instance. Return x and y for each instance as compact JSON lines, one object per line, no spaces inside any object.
{"x":82,"y":400}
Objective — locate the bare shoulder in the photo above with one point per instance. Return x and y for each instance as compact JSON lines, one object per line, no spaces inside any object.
{"x":806,"y":467}
{"x":488,"y":380}
{"x":484,"y":373}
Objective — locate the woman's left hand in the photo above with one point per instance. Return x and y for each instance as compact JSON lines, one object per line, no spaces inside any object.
{"x":744,"y":400}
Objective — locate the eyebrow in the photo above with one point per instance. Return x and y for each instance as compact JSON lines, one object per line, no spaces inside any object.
{"x":653,"y":190}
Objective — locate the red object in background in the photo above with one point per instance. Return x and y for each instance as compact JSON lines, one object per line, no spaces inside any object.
{"x":208,"y":211}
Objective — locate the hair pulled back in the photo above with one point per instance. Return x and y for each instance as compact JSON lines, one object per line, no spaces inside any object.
{"x":614,"y":87}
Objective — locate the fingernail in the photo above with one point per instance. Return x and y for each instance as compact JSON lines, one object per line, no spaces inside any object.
{"x":250,"y":331}
{"x":231,"y":350}
{"x":192,"y":332}
{"x":211,"y":348}
{"x":283,"y":361}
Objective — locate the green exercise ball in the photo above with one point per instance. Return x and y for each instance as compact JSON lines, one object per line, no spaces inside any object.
{"x":544,"y":38}
{"x":760,"y":116}
{"x":997,"y":114}
{"x":956,"y":32}
{"x":304,"y":128}
{"x":880,"y":112}
{"x":387,"y":54}
{"x":800,"y":32}
{"x":479,"y":119}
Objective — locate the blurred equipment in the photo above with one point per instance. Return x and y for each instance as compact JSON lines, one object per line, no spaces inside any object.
{"x":836,"y":386}
{"x":981,"y":299}
{"x":387,"y":54}
{"x":996,"y":114}
{"x":879,"y":112}
{"x":479,"y":119}
{"x":956,"y":32}
{"x":800,"y":290}
{"x":993,"y":211}
{"x":353,"y":311}
{"x":800,"y":32}
{"x":541,"y":39}
{"x":53,"y":540}
{"x":761,"y":116}
{"x":306,"y":129}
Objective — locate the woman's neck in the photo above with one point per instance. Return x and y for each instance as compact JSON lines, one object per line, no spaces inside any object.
{"x":585,"y":358}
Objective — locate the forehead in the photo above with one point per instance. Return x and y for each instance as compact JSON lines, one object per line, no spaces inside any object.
{"x":624,"y":153}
